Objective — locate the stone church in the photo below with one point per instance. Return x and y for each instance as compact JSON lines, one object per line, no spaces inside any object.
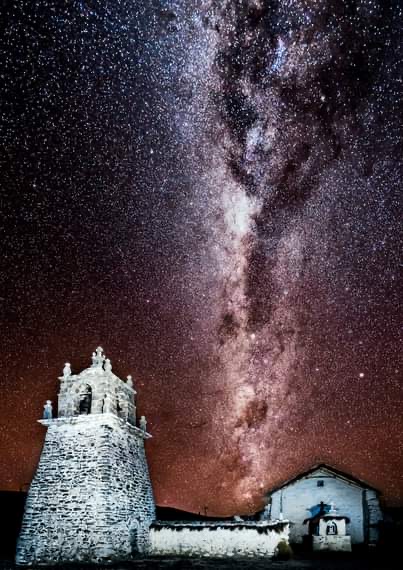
{"x":91,"y":499}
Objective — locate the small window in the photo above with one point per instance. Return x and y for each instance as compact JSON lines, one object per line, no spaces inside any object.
{"x":320,"y":483}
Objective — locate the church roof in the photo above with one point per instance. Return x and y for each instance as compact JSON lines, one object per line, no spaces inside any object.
{"x":332,"y":471}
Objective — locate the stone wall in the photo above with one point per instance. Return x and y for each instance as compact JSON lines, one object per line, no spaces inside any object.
{"x":217,"y":539}
{"x":374,"y":515}
{"x":91,"y":498}
{"x":100,"y":382}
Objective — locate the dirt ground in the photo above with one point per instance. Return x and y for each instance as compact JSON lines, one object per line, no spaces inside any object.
{"x":341,"y":562}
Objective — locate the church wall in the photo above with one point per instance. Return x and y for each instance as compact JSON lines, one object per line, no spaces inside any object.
{"x":299,"y":496}
{"x":374,"y":515}
{"x":217,"y":540}
{"x":91,"y":498}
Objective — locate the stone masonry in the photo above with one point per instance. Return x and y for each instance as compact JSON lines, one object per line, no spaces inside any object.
{"x":91,"y":499}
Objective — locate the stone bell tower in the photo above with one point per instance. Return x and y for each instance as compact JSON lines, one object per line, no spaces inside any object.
{"x":91,"y":498}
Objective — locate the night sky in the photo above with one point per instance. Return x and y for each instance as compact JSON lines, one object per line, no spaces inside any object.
{"x":210,"y":190}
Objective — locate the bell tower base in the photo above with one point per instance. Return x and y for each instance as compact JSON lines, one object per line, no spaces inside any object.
{"x":91,"y":498}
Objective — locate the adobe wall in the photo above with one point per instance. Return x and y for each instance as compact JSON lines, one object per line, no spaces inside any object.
{"x":217,"y":540}
{"x":304,"y":493}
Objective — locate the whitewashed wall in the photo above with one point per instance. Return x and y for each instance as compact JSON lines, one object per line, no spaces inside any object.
{"x":300,"y":495}
{"x":332,"y":543}
{"x":216,"y":540}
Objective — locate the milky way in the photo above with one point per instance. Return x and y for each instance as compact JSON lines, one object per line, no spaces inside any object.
{"x":210,"y":190}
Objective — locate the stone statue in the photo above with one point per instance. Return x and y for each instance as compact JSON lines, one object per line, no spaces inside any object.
{"x":98,"y":358}
{"x":143,"y":423}
{"x":108,"y":365}
{"x":130,"y":381}
{"x":67,"y":370}
{"x":100,"y":355}
{"x":48,"y":410}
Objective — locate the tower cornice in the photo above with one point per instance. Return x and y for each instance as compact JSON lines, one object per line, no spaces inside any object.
{"x":101,"y":419}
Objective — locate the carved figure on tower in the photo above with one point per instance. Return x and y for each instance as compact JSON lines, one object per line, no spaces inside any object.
{"x":47,"y":410}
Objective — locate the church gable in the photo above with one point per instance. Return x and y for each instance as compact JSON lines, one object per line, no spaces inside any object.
{"x":323,"y":472}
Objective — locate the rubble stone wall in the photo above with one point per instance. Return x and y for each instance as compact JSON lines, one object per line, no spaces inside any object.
{"x":101,"y":383}
{"x":91,"y":499}
{"x":374,"y":514}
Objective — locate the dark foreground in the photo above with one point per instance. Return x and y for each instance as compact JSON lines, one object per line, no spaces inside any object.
{"x":340,"y":562}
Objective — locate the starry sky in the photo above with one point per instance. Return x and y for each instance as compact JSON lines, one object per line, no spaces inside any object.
{"x":210,"y":190}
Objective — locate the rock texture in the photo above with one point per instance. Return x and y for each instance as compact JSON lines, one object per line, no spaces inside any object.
{"x":374,"y":515}
{"x":91,"y":499}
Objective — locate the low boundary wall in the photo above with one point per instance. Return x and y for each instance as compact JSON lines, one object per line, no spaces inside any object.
{"x":218,"y":540}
